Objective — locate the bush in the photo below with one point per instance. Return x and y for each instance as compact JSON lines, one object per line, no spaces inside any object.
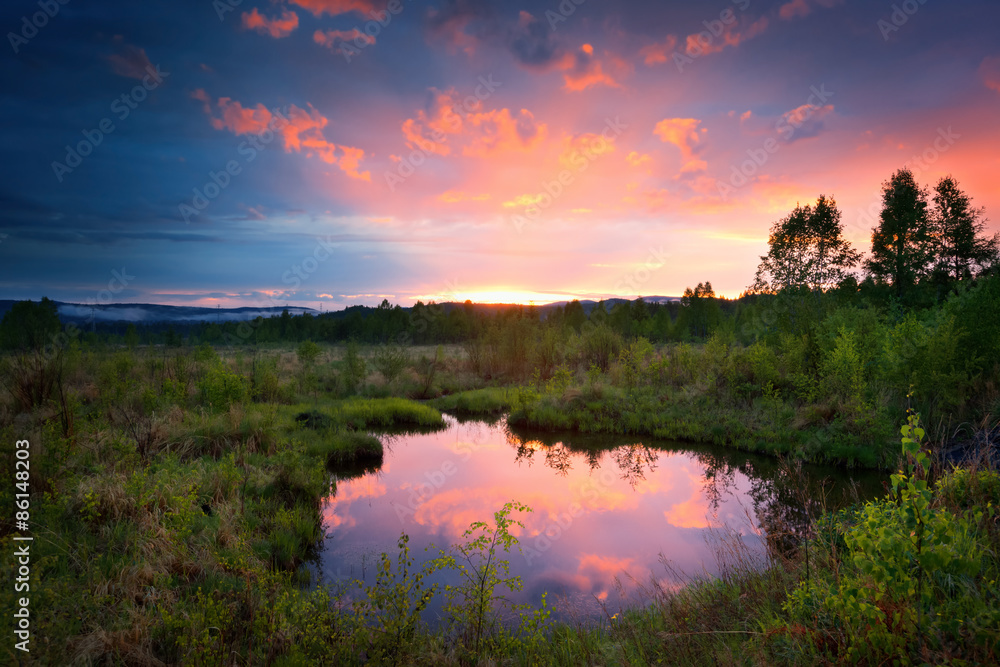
{"x":221,"y":387}
{"x":390,"y":360}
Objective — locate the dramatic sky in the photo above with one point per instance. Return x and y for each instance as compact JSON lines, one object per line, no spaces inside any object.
{"x":264,"y":152}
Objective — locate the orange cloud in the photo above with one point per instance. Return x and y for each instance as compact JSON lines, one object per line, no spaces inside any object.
{"x":587,"y":144}
{"x":523,"y":200}
{"x":582,"y":69}
{"x":794,"y":8}
{"x":638,"y":160}
{"x":658,"y":53}
{"x":333,"y":39}
{"x":276,"y":27}
{"x":799,"y":8}
{"x":301,"y":130}
{"x":456,"y":196}
{"x":686,"y":135}
{"x":479,"y":133}
{"x":692,"y":513}
{"x":335,"y":7}
{"x":698,"y":45}
{"x":989,"y":70}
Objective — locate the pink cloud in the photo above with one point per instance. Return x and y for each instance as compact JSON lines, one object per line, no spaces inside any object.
{"x":989,"y":70}
{"x":732,"y":35}
{"x":335,"y":7}
{"x":583,"y":69}
{"x":335,"y":39}
{"x":477,"y":132}
{"x":659,"y":52}
{"x":800,"y":8}
{"x":301,"y":130}
{"x":276,"y":27}
{"x":684,"y":133}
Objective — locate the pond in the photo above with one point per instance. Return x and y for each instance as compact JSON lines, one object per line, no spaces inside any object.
{"x":610,"y":515}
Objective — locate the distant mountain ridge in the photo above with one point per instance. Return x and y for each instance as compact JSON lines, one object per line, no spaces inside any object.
{"x":150,"y":313}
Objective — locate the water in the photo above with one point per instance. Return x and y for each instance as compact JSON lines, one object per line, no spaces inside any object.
{"x":605,"y":509}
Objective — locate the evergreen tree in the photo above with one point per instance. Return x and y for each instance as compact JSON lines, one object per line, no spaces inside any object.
{"x":902,"y":243}
{"x":961,"y":250}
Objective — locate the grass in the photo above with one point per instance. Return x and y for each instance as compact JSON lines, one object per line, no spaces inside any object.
{"x":174,"y":503}
{"x":490,"y":401}
{"x":765,"y":424}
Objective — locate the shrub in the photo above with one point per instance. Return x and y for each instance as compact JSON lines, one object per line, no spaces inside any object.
{"x":221,"y":387}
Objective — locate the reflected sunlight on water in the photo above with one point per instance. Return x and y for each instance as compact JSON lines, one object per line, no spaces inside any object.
{"x":604,"y":508}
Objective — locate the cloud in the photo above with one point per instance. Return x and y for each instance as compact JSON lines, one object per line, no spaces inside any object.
{"x":637,"y":159}
{"x":793,"y":9}
{"x":732,"y":35}
{"x":335,"y":7}
{"x":587,"y":144}
{"x":989,"y":70}
{"x":799,"y":8}
{"x":132,"y":62}
{"x":334,"y":39}
{"x":477,"y":132}
{"x":456,"y":196}
{"x":583,"y":70}
{"x":658,"y":52}
{"x":803,"y":122}
{"x":276,"y":27}
{"x":301,"y":130}
{"x":684,"y":133}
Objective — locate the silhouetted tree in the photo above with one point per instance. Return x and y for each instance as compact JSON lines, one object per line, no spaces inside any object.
{"x":902,"y":245}
{"x":957,"y":226}
{"x":806,"y":249}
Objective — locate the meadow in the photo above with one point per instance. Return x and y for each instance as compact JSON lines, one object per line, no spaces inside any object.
{"x":175,"y":485}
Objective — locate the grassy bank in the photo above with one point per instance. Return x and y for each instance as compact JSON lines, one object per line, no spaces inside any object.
{"x":175,"y":495}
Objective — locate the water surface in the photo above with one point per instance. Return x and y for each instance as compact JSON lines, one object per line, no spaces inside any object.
{"x":604,"y":508}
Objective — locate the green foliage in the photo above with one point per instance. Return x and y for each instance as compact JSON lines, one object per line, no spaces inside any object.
{"x":961,"y":251}
{"x":29,"y":325}
{"x":221,"y":387}
{"x":307,"y":353}
{"x":600,"y":345}
{"x":390,"y":360}
{"x":354,"y":369}
{"x":474,"y":605}
{"x":388,"y":612}
{"x":886,"y":597}
{"x":902,"y":246}
{"x":806,"y":250}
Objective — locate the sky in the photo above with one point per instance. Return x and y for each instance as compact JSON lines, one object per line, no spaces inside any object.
{"x":325,"y":153}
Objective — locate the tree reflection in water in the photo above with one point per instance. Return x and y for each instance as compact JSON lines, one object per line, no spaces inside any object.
{"x":634,"y":459}
{"x":786,"y":496}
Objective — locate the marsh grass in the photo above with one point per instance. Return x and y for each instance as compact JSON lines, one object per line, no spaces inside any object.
{"x":173,"y":519}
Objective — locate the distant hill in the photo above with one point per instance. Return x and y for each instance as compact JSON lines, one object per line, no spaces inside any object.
{"x":150,"y":313}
